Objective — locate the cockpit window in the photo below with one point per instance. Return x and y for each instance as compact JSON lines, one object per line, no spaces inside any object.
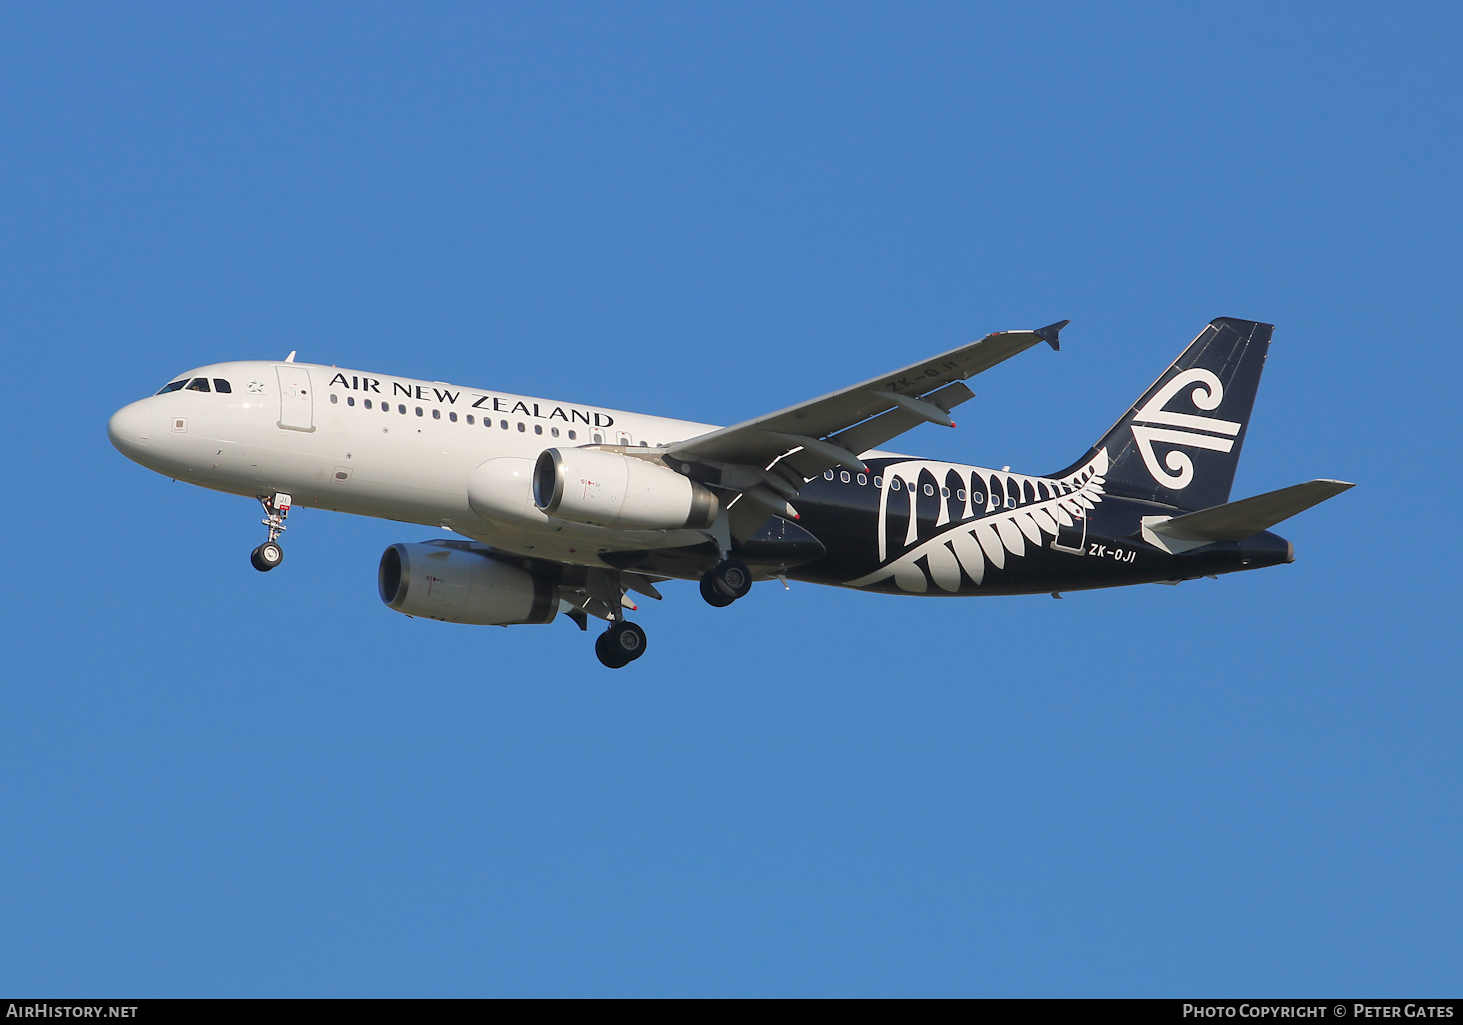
{"x":198,"y":384}
{"x":172,"y":387}
{"x":221,"y":386}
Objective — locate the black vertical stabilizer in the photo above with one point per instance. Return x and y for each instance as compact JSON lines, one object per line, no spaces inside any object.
{"x":1180,"y":443}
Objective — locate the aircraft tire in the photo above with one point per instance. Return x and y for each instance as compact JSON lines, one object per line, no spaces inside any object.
{"x":608,"y":654}
{"x":712,"y":594}
{"x":626,"y":639}
{"x":732,"y":578}
{"x":266,"y":556}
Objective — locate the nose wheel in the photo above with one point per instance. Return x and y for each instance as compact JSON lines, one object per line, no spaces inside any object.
{"x":726,"y":582}
{"x":620,"y":645}
{"x":266,"y":556}
{"x":270,"y":554}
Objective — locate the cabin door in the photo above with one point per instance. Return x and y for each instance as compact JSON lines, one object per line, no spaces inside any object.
{"x":1072,"y":539}
{"x":296,"y":404}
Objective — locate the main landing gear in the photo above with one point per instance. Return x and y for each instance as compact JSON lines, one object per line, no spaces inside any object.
{"x":620,"y":645}
{"x":602,"y":593}
{"x":726,"y":582}
{"x":270,"y":554}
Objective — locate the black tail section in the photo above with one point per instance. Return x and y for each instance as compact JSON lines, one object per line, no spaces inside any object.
{"x":1180,"y":443}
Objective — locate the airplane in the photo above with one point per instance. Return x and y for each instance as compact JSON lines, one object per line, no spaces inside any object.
{"x":568,"y":508}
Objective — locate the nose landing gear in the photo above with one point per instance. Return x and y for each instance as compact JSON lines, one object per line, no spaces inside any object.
{"x":726,"y":582}
{"x":620,"y":645}
{"x":270,"y":554}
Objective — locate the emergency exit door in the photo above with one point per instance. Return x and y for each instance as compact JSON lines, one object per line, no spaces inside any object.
{"x":296,"y":404}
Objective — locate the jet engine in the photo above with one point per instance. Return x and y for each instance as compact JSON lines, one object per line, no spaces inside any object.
{"x":452,"y":582}
{"x":605,"y":489}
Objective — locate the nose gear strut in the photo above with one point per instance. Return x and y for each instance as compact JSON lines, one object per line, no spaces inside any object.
{"x":270,"y":554}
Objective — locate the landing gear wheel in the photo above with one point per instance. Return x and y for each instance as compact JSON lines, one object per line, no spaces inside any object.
{"x":612,"y":659}
{"x":731,"y":578}
{"x":266,"y":556}
{"x":620,"y":645}
{"x":713,"y":597}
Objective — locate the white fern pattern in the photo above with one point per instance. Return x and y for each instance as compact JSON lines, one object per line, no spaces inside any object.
{"x":985,"y":536}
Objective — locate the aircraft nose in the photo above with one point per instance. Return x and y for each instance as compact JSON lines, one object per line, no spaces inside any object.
{"x":130,"y":427}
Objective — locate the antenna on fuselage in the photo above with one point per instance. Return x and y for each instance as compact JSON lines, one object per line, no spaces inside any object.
{"x":291,"y":357}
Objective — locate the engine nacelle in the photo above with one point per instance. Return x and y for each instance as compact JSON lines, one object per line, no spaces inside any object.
{"x":447,"y":580}
{"x":610,"y":490}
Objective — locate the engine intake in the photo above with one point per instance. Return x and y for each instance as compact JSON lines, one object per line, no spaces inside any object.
{"x":452,"y":582}
{"x":606,"y":489}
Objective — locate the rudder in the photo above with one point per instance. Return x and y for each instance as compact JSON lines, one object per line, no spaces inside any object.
{"x":1179,"y":445}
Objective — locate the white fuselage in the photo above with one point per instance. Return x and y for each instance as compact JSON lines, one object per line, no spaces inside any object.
{"x":390,"y":447}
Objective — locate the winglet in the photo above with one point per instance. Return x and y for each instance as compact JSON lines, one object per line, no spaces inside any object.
{"x":1048,"y":334}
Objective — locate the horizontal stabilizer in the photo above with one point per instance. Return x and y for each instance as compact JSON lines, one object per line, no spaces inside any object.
{"x":1236,"y":521}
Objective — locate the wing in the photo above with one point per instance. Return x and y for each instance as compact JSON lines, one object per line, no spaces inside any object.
{"x":769,"y":458}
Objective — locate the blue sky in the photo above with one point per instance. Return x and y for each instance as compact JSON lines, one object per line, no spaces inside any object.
{"x":217,"y":782}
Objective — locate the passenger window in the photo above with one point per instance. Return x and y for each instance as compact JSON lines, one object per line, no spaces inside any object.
{"x":827,"y":474}
{"x":862,"y":480}
{"x":553,"y":432}
{"x":643,"y":445}
{"x":944,"y":492}
{"x":520,"y":427}
{"x":334,"y":399}
{"x":503,"y":424}
{"x":437,"y":414}
{"x":878,"y":482}
{"x":199,"y":384}
{"x":894,"y":484}
{"x":368,"y":403}
{"x":572,"y":435}
{"x":452,"y":417}
{"x":844,"y":476}
{"x":538,"y":428}
{"x":401,"y":409}
{"x":222,"y":387}
{"x":598,"y":440}
{"x":172,"y":387}
{"x":350,"y":400}
{"x":470,"y":420}
{"x":929,"y":489}
{"x":419,"y":411}
{"x":960,"y":495}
